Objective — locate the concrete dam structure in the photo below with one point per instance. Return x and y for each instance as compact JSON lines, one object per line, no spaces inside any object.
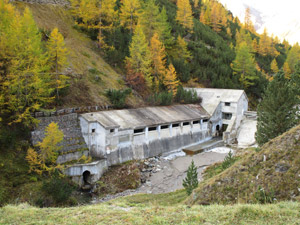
{"x":116,"y":136}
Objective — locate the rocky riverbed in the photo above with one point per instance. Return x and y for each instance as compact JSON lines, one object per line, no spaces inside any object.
{"x":165,"y":174}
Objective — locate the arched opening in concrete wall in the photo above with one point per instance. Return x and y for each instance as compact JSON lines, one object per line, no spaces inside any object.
{"x":217,"y":128}
{"x":86,"y":177}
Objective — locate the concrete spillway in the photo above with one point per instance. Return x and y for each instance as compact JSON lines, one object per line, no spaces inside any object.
{"x":207,"y":145}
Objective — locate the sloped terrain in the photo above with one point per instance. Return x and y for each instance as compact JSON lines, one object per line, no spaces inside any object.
{"x":269,"y":174}
{"x":92,"y":76}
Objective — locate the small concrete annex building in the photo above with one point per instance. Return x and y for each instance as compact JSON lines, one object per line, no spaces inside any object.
{"x":122,"y":135}
{"x":226,"y":105}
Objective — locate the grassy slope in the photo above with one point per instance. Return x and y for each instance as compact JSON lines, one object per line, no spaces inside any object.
{"x":239,"y":183}
{"x":83,"y":56}
{"x":111,"y":213}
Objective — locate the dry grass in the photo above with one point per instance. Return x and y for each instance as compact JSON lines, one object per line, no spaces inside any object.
{"x":257,"y":169}
{"x":111,"y":213}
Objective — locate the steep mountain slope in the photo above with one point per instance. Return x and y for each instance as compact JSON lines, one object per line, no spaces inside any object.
{"x":271,"y":174}
{"x":92,"y":74}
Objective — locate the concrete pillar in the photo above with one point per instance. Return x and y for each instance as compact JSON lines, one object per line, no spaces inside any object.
{"x":158,"y":130}
{"x":146,"y":134}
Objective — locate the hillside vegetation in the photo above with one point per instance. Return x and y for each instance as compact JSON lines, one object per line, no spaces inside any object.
{"x":265,"y":175}
{"x":92,"y":75}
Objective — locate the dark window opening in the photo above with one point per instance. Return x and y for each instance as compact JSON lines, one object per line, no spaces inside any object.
{"x":227,"y":116}
{"x":205,"y":121}
{"x":224,"y":127}
{"x":227,"y":103}
{"x":112,"y":130}
{"x":175,"y":125}
{"x":136,"y":131}
{"x":164,"y":127}
{"x":186,"y":123}
{"x":93,"y":130}
{"x":152,"y":128}
{"x":196,"y":122}
{"x":217,"y":127}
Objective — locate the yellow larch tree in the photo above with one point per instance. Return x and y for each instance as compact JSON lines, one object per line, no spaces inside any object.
{"x":57,"y":53}
{"x":158,"y":56}
{"x":86,"y":11}
{"x":129,"y":13}
{"x":184,"y":14}
{"x":181,"y":50}
{"x":287,"y":71}
{"x":274,"y":66}
{"x":49,"y":147}
{"x":255,"y":45}
{"x":171,"y":81}
{"x":108,"y":16}
{"x":293,"y":57}
{"x":139,"y":60}
{"x":248,"y":25}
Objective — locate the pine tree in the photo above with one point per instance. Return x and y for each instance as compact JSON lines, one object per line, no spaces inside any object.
{"x":58,"y":53}
{"x":129,"y":13}
{"x":158,"y":56}
{"x":244,"y":66}
{"x":184,"y":14}
{"x":276,"y":112}
{"x":50,"y":145}
{"x":191,"y":180}
{"x":139,"y":55}
{"x":171,"y":81}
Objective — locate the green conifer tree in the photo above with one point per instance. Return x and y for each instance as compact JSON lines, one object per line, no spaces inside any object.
{"x":244,"y":66}
{"x":191,"y":180}
{"x":276,"y":112}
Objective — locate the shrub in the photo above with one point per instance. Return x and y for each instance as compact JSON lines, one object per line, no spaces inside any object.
{"x":191,"y":180}
{"x":162,"y":98}
{"x":263,"y":196}
{"x":186,"y":96}
{"x":228,"y":161}
{"x":59,"y":188}
{"x":118,"y":97}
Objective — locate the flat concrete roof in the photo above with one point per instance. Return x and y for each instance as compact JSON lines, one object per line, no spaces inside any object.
{"x":147,"y":116}
{"x":211,"y":97}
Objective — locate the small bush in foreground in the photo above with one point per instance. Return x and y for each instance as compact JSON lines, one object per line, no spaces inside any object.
{"x":59,"y":188}
{"x":191,"y":180}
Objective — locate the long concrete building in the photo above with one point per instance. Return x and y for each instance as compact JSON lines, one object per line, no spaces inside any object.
{"x":122,"y":135}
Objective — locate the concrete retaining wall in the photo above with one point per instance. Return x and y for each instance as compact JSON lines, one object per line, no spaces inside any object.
{"x":155,"y":147}
{"x":73,"y":144}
